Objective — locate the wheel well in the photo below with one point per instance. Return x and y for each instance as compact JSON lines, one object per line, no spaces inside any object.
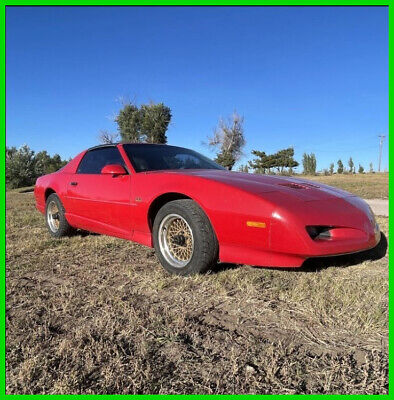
{"x":159,"y":202}
{"x":48,"y":192}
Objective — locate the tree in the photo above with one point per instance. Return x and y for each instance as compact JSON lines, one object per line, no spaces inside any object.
{"x":106,"y":137}
{"x":129,"y":123}
{"x":309,"y":164}
{"x":340,"y":167}
{"x":23,"y":166}
{"x":313,"y":164}
{"x":20,"y":167}
{"x":351,"y":165}
{"x":371,"y":168}
{"x":279,"y":160}
{"x":55,"y":164}
{"x":331,"y":170}
{"x":305,"y":163}
{"x":229,"y":139}
{"x":260,"y":163}
{"x":42,"y":163}
{"x":155,"y":119}
{"x":360,"y":169}
{"x":148,"y":123}
{"x":284,"y":159}
{"x":243,"y":168}
{"x":45,"y":164}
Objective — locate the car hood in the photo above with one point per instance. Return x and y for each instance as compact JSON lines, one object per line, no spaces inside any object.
{"x":299,"y":189}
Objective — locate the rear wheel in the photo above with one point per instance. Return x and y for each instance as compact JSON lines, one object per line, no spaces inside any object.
{"x":55,"y":217}
{"x":183,"y":237}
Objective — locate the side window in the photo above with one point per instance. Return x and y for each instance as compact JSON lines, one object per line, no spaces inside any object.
{"x":94,"y":160}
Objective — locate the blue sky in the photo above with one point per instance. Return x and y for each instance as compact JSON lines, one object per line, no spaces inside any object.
{"x":313,"y":78}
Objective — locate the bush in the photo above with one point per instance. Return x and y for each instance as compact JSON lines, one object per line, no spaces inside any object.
{"x":23,"y":166}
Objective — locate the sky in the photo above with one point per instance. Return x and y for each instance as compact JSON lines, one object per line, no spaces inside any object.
{"x":315,"y":78}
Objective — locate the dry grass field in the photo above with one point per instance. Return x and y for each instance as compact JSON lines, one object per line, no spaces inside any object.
{"x":367,"y":186}
{"x":95,"y":314}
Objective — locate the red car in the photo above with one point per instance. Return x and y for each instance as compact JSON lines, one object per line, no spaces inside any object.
{"x":194,"y":212}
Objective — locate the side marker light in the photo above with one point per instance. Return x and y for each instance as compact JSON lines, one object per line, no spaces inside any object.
{"x":256,"y":224}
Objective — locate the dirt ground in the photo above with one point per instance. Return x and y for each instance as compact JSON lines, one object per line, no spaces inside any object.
{"x":95,"y":314}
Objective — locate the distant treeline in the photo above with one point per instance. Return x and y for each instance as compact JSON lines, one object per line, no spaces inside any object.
{"x":283,"y":163}
{"x":23,"y":166}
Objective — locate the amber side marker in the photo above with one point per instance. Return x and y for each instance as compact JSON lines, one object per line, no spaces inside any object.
{"x":256,"y":224}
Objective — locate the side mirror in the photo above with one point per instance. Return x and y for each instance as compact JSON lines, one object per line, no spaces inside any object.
{"x":113,"y":169}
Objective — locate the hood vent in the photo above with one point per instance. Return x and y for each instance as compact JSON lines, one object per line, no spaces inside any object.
{"x":294,"y":185}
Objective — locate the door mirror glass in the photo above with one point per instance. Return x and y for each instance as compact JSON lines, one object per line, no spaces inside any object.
{"x":113,"y":169}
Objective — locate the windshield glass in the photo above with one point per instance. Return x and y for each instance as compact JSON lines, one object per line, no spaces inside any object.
{"x":163,"y":157}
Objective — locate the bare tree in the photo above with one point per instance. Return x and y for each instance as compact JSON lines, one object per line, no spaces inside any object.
{"x":106,"y":137}
{"x":229,"y":138}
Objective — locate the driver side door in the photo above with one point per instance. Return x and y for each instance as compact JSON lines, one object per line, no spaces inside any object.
{"x":101,"y":202}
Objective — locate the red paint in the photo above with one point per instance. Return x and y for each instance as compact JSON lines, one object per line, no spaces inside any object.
{"x":118,"y":205}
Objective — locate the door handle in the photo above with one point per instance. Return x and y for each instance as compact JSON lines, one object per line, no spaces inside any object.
{"x":73,"y":183}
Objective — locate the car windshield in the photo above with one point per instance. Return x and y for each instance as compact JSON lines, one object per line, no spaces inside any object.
{"x":163,"y":157}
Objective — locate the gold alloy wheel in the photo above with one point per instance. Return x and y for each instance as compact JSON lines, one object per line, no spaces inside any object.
{"x":53,"y":216}
{"x":176,"y":240}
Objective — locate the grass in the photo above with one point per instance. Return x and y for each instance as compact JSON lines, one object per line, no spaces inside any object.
{"x":24,"y":189}
{"x":367,"y":186}
{"x":95,"y":314}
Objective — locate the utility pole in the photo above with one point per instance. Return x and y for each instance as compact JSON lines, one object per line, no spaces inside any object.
{"x":380,"y":148}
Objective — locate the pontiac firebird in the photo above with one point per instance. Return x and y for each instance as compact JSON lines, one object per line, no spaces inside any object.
{"x":195,"y":213}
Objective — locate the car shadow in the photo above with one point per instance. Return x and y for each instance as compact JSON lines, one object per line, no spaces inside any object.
{"x":320,"y":263}
{"x":220,"y":267}
{"x":82,"y":233}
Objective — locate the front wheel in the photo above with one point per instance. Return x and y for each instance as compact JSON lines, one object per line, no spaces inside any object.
{"x":183,"y":237}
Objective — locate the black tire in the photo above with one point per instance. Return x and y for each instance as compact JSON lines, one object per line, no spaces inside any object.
{"x":64,"y":228}
{"x":380,"y":250}
{"x":206,"y":248}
